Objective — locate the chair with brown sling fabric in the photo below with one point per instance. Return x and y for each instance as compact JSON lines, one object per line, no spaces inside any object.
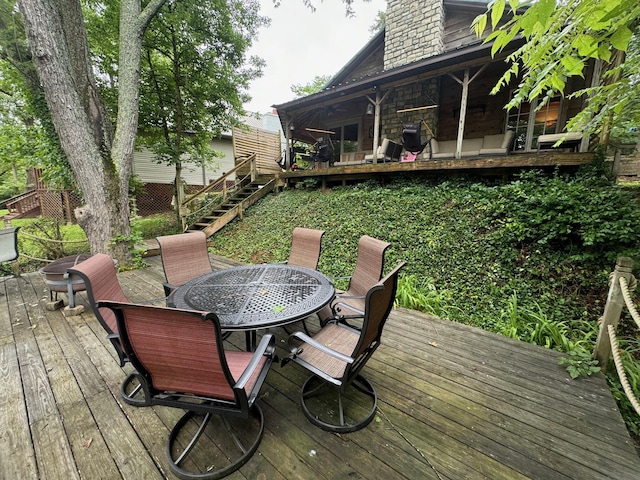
{"x":183,"y":364}
{"x":98,"y":273}
{"x":184,"y":257}
{"x":367,"y":272}
{"x":306,"y":245}
{"x":335,"y":356}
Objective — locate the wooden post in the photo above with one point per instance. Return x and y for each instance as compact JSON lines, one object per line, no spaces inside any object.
{"x":612,"y":311}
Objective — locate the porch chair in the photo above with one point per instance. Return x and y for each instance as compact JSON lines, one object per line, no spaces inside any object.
{"x":367,"y":272}
{"x":335,"y":356}
{"x":183,"y":364}
{"x":411,"y":138}
{"x":184,"y":257}
{"x":98,"y":273}
{"x":9,"y":245}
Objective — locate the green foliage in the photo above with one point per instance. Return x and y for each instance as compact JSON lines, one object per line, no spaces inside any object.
{"x":579,"y":363}
{"x":561,"y":39}
{"x":629,"y":354}
{"x":314,"y":86}
{"x":422,"y":295}
{"x":135,"y":244}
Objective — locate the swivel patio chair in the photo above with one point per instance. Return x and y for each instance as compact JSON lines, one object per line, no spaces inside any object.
{"x":335,"y":356}
{"x":98,"y":273}
{"x":184,"y":257}
{"x":306,"y":245}
{"x":182,"y":364}
{"x":367,"y":272}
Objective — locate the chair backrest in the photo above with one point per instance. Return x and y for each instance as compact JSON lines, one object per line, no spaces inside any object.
{"x":306,"y":245}
{"x":184,"y":256}
{"x":98,"y":273}
{"x":175,"y":350}
{"x":378,"y":304}
{"x":411,"y":138}
{"x":9,"y":244}
{"x":369,"y":265}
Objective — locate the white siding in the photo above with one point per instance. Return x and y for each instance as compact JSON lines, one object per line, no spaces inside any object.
{"x":150,"y":172}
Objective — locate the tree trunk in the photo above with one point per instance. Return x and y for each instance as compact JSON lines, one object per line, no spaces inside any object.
{"x":58,"y":40}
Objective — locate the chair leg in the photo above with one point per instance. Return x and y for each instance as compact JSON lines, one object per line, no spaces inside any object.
{"x":233,"y":461}
{"x":132,"y":391}
{"x":322,"y":412}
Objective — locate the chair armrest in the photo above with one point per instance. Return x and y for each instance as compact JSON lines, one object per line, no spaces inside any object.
{"x":168,"y":288}
{"x":295,"y":349}
{"x":267,"y":347}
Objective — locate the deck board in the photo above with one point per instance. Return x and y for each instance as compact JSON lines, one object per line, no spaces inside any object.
{"x":454,"y":402}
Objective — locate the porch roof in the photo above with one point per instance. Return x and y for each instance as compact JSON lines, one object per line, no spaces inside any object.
{"x":453,"y":60}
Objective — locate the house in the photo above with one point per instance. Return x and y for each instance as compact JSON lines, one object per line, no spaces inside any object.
{"x":428,"y":67}
{"x":158,"y":179}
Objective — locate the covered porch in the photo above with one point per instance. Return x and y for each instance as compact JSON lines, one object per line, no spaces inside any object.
{"x":455,"y":402}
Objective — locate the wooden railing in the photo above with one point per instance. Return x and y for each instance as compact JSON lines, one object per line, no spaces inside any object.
{"x":621,"y":282}
{"x":23,"y":203}
{"x":245,"y":172}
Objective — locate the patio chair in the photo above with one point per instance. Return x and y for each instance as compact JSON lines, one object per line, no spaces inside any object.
{"x":9,"y":245}
{"x":184,"y":257}
{"x":98,"y":273}
{"x":306,"y":245}
{"x":411,"y":138}
{"x":182,"y":364}
{"x":368,"y":271}
{"x":335,"y":356}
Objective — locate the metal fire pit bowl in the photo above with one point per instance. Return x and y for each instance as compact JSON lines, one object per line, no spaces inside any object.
{"x":58,"y":280}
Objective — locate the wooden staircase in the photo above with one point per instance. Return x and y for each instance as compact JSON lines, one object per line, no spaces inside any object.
{"x":232,"y":207}
{"x":247,"y":188}
{"x":24,"y":205}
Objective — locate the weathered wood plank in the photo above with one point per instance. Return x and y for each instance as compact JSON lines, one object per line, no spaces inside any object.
{"x":471,"y":405}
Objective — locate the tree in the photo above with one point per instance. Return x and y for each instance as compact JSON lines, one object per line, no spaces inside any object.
{"x":100,"y":157}
{"x":29,"y":137}
{"x":314,"y":86}
{"x":194,"y":78}
{"x":561,"y":38}
{"x":379,"y":23}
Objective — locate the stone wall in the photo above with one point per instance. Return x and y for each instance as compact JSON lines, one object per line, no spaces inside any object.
{"x":414,"y":95}
{"x":414,"y":31}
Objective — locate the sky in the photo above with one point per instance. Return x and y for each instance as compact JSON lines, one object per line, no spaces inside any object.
{"x":300,"y":45}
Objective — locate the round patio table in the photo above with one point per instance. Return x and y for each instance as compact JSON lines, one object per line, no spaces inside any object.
{"x":252,"y":297}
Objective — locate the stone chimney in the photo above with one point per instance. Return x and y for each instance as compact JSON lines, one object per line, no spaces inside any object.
{"x":414,"y":31}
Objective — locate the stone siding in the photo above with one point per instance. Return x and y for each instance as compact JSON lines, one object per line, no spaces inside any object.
{"x":414,"y":31}
{"x":415,"y":95}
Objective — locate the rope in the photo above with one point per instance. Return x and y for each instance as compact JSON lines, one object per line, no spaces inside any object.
{"x":627,"y":298}
{"x":36,"y":258}
{"x":51,"y":240}
{"x":620,"y":369}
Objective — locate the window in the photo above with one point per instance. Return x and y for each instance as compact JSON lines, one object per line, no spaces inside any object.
{"x":528,"y":124}
{"x":346,"y":139}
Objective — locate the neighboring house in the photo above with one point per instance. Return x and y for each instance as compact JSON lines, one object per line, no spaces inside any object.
{"x":158,"y":179}
{"x":427,"y":56}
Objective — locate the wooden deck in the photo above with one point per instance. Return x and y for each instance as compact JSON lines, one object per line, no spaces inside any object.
{"x":455,"y":402}
{"x":486,"y":165}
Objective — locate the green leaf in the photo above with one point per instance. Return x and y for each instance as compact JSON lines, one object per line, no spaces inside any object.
{"x":573,"y":65}
{"x":479,"y":24}
{"x":586,"y":45}
{"x":620,"y":38}
{"x":497,"y":9}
